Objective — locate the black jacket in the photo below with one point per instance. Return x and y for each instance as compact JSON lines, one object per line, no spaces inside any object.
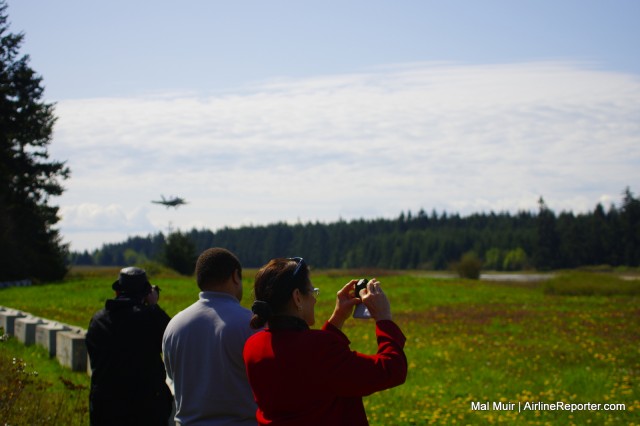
{"x":124,"y":342}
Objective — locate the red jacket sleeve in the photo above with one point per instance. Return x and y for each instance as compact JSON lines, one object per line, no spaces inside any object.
{"x":354,"y":374}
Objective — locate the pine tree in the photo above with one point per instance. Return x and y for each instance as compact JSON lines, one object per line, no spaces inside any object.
{"x":29,"y":245}
{"x":180,"y":253}
{"x":630,"y":228}
{"x":548,"y":243}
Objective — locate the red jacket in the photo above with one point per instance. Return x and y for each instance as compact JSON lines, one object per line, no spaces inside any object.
{"x":308,"y":377}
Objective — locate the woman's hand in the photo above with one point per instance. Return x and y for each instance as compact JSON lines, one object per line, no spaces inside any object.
{"x":345,"y":301}
{"x":376,"y":301}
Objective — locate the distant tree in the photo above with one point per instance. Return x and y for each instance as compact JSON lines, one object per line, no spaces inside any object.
{"x":180,"y":253}
{"x":493,"y":259}
{"x":548,"y":243}
{"x":83,"y":258}
{"x":573,"y":245}
{"x":132,"y":257}
{"x":469,"y":266}
{"x":515,"y":260}
{"x":29,"y":245}
{"x":630,"y":228}
{"x":598,"y":237}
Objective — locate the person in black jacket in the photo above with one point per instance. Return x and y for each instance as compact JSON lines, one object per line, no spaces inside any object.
{"x":124,"y":342}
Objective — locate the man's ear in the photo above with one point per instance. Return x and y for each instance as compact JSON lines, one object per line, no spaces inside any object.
{"x":237,"y":276}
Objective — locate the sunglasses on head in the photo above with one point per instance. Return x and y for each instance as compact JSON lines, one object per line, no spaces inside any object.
{"x":299,"y":261}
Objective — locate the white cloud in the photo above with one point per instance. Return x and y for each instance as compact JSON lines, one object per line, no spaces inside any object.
{"x":455,"y":138}
{"x":89,"y":217}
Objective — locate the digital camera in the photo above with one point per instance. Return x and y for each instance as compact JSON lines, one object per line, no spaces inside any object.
{"x":361,"y":311}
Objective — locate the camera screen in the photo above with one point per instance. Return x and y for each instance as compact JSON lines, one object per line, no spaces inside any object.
{"x":360,"y":285}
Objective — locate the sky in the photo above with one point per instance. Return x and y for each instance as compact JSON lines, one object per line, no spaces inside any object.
{"x":259,"y":112}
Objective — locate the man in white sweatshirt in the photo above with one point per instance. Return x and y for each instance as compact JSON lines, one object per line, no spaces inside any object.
{"x":202,"y":348}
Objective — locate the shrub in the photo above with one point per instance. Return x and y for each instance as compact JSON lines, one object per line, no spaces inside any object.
{"x":156,"y":270}
{"x":27,"y":398}
{"x":469,"y":266}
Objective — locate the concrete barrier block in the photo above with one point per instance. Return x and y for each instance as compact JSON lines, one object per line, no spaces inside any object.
{"x":71,"y":350}
{"x":46,"y":335}
{"x":25,"y":329}
{"x":7,"y":320}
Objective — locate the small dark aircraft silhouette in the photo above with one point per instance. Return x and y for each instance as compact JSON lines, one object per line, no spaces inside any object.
{"x":171,"y":202}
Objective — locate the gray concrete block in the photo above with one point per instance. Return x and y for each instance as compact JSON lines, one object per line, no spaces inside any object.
{"x":71,"y":350}
{"x":7,"y":320}
{"x":46,"y":335}
{"x":25,"y":329}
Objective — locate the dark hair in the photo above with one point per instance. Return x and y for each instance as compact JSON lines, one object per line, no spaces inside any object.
{"x":273,"y":286}
{"x":215,"y":266}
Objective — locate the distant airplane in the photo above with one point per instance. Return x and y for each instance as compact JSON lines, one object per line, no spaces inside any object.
{"x":171,"y":202}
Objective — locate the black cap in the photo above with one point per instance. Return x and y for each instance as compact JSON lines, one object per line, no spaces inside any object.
{"x":133,"y":281}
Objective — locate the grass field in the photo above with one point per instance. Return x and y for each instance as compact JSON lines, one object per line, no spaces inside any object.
{"x":468,"y":343}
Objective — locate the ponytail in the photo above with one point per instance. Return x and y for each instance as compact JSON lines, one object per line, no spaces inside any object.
{"x":261,"y":314}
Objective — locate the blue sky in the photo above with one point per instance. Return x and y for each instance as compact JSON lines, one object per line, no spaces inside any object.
{"x":265,"y":111}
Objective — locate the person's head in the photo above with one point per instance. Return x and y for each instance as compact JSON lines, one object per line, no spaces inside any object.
{"x":218,"y":269}
{"x":283,"y":287}
{"x":132,"y":283}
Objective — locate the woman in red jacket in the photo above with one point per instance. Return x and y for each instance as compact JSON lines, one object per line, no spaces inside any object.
{"x":301,"y":376}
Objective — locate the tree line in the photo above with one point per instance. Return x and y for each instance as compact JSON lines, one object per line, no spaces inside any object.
{"x":32,"y":248}
{"x":503,"y":241}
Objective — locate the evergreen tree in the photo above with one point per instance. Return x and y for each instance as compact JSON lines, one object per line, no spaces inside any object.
{"x":546,"y":256}
{"x":630,"y":228}
{"x":597,"y":236}
{"x":180,"y":253}
{"x":29,"y":245}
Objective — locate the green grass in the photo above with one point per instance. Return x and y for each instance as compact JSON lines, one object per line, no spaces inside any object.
{"x":591,"y":284}
{"x":467,"y":341}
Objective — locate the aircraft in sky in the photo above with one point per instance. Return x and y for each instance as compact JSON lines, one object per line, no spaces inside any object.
{"x":170,"y":202}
